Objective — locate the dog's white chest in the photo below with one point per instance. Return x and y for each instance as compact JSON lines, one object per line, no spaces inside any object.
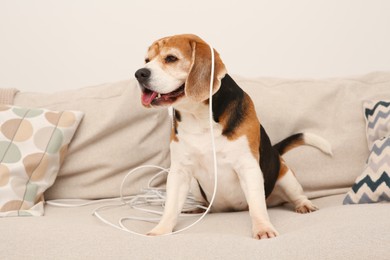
{"x":194,"y":151}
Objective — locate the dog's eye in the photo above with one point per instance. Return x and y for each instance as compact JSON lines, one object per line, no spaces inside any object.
{"x":147,"y":60}
{"x":170,"y":59}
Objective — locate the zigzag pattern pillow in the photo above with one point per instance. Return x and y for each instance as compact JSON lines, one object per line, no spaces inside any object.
{"x":373,"y":185}
{"x":377,"y":114}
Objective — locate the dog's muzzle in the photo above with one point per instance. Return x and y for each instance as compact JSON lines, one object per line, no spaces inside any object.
{"x":143,"y":75}
{"x":151,"y":97}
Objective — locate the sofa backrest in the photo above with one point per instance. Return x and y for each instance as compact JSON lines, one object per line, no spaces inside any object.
{"x":118,"y":134}
{"x":330,"y":108}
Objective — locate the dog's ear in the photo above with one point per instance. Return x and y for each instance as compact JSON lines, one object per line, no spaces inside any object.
{"x":197,"y":86}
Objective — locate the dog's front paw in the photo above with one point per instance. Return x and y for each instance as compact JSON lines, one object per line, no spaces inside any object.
{"x":264,"y":231}
{"x":305,"y":206}
{"x":158,"y":231}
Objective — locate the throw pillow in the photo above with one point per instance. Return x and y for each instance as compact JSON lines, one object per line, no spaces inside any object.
{"x":373,"y":185}
{"x":377,"y":114}
{"x":33,"y":144}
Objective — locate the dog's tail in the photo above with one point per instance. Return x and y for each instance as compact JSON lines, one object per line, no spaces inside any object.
{"x":296,"y":140}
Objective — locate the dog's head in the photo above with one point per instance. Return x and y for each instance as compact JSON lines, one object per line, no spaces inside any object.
{"x":178,"y":68}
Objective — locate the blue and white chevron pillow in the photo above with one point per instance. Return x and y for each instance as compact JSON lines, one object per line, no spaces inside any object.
{"x":373,"y":185}
{"x":377,"y":114}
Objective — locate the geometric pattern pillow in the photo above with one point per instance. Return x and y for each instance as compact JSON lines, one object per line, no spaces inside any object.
{"x":377,"y":115}
{"x":373,"y":185}
{"x":33,"y":145}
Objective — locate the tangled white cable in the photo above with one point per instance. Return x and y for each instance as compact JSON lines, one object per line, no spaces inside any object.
{"x":155,"y":195}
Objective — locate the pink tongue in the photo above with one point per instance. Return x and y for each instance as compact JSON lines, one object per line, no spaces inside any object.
{"x":148,"y":97}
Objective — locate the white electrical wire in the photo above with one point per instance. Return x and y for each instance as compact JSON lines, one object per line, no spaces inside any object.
{"x":152,"y":195}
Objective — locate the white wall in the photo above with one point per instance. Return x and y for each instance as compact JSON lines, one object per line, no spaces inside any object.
{"x":48,"y":45}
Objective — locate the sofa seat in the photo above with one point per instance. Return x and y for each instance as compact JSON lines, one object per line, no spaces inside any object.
{"x":333,"y":232}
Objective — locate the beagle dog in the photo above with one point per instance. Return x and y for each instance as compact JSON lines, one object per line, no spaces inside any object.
{"x":251,"y":172}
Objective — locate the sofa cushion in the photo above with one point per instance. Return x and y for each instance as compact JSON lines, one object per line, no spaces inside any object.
{"x":33,"y":144}
{"x":333,"y":232}
{"x":116,"y":135}
{"x":7,"y":95}
{"x":373,"y":185}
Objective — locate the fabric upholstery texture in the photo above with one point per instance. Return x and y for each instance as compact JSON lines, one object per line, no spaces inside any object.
{"x":333,"y":232}
{"x":7,"y":96}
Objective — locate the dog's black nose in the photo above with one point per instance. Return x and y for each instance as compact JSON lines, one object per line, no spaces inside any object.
{"x":142,"y":74}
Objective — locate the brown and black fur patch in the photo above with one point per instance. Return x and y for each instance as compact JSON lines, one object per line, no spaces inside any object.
{"x":290,"y":143}
{"x":283,"y":168}
{"x":228,"y":106}
{"x":269,"y":162}
{"x":176,"y":119}
{"x":234,"y":110}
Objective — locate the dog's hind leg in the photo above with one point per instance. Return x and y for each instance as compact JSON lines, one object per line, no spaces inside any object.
{"x":287,"y":188}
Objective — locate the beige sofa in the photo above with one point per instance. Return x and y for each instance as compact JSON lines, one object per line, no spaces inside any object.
{"x":118,"y":134}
